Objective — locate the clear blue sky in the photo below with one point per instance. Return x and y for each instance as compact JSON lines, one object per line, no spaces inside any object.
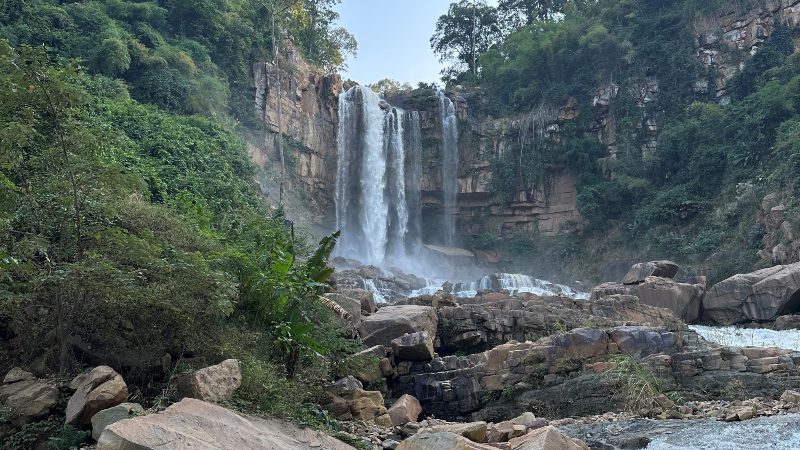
{"x":393,"y":39}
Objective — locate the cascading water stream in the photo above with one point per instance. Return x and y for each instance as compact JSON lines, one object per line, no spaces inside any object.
{"x":372,"y":198}
{"x":447,"y":115}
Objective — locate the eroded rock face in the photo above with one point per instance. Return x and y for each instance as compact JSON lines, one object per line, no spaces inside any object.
{"x":392,"y":322}
{"x":638,"y":273}
{"x":100,"y":389}
{"x":758,"y":296}
{"x":547,"y":438}
{"x":25,"y":397}
{"x":214,"y":383}
{"x":195,"y":424}
{"x":684,"y":300}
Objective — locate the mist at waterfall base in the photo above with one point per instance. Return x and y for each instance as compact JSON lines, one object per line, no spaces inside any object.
{"x":378,"y":196}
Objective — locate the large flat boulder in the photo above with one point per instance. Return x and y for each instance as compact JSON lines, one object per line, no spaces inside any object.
{"x":198,"y":425}
{"x":639,"y":272}
{"x":685,"y":300}
{"x":759,"y":296}
{"x":392,"y":322}
{"x":441,"y":441}
{"x":547,"y":438}
{"x":100,"y":389}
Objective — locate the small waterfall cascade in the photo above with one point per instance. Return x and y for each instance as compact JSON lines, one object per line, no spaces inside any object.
{"x":377,"y":202}
{"x":515,"y":283}
{"x":447,"y":115}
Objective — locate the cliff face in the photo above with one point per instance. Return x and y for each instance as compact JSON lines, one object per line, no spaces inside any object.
{"x":308,"y":120}
{"x":726,"y":41}
{"x":308,"y":100}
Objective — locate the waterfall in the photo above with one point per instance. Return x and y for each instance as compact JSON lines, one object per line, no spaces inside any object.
{"x":515,"y":283}
{"x":447,"y":114}
{"x":372,"y":198}
{"x":413,"y":181}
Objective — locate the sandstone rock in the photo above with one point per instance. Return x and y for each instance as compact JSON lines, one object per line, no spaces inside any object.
{"x":529,"y":420}
{"x":100,"y":389}
{"x":547,"y":438}
{"x":643,"y":341}
{"x":25,"y":398}
{"x":791,"y":397}
{"x":474,"y":431}
{"x":347,"y":400}
{"x":582,"y":342}
{"x":384,"y":420}
{"x":17,"y":374}
{"x":760,"y":296}
{"x":195,"y":424}
{"x":214,"y":383}
{"x":406,"y":409}
{"x":364,"y":296}
{"x":391,"y":322}
{"x":351,"y":305}
{"x":639,"y":272}
{"x":365,"y":365}
{"x":440,"y":441}
{"x":608,"y":289}
{"x":791,"y":322}
{"x":685,"y":300}
{"x":413,"y":347}
{"x":114,"y":414}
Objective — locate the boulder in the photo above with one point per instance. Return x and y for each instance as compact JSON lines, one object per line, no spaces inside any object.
{"x":365,"y":297}
{"x":582,"y":342}
{"x":114,"y":414}
{"x":609,"y":289}
{"x":391,"y":322}
{"x":791,"y":397}
{"x":198,"y":425}
{"x":347,"y":400}
{"x":214,"y":383}
{"x":639,"y":272}
{"x":25,"y":397}
{"x":406,"y":409}
{"x":365,"y":365}
{"x":474,"y":431}
{"x":100,"y":389}
{"x":759,"y":296}
{"x":351,"y":305}
{"x":440,"y":441}
{"x":643,"y":341}
{"x":413,"y":347}
{"x":788,"y":322}
{"x":685,"y":300}
{"x":529,"y":421}
{"x":547,"y":438}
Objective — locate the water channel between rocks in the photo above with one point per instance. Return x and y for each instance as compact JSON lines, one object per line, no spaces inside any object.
{"x":777,"y":432}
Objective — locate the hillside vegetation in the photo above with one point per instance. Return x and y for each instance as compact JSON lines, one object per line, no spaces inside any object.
{"x":691,"y":198}
{"x":130,"y":231}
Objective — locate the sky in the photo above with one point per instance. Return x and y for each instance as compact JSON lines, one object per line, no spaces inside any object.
{"x":393,"y":39}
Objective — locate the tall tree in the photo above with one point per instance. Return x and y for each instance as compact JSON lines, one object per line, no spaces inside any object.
{"x":469,"y":28}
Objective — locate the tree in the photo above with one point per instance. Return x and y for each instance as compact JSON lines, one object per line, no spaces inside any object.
{"x":527,"y":11}
{"x":467,"y":30}
{"x":389,"y":85}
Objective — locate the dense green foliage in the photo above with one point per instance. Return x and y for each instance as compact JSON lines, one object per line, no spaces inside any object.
{"x":129,"y":234}
{"x":692,"y":197}
{"x":186,"y":57}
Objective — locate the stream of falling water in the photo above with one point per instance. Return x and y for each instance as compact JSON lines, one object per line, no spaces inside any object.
{"x":447,"y":114}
